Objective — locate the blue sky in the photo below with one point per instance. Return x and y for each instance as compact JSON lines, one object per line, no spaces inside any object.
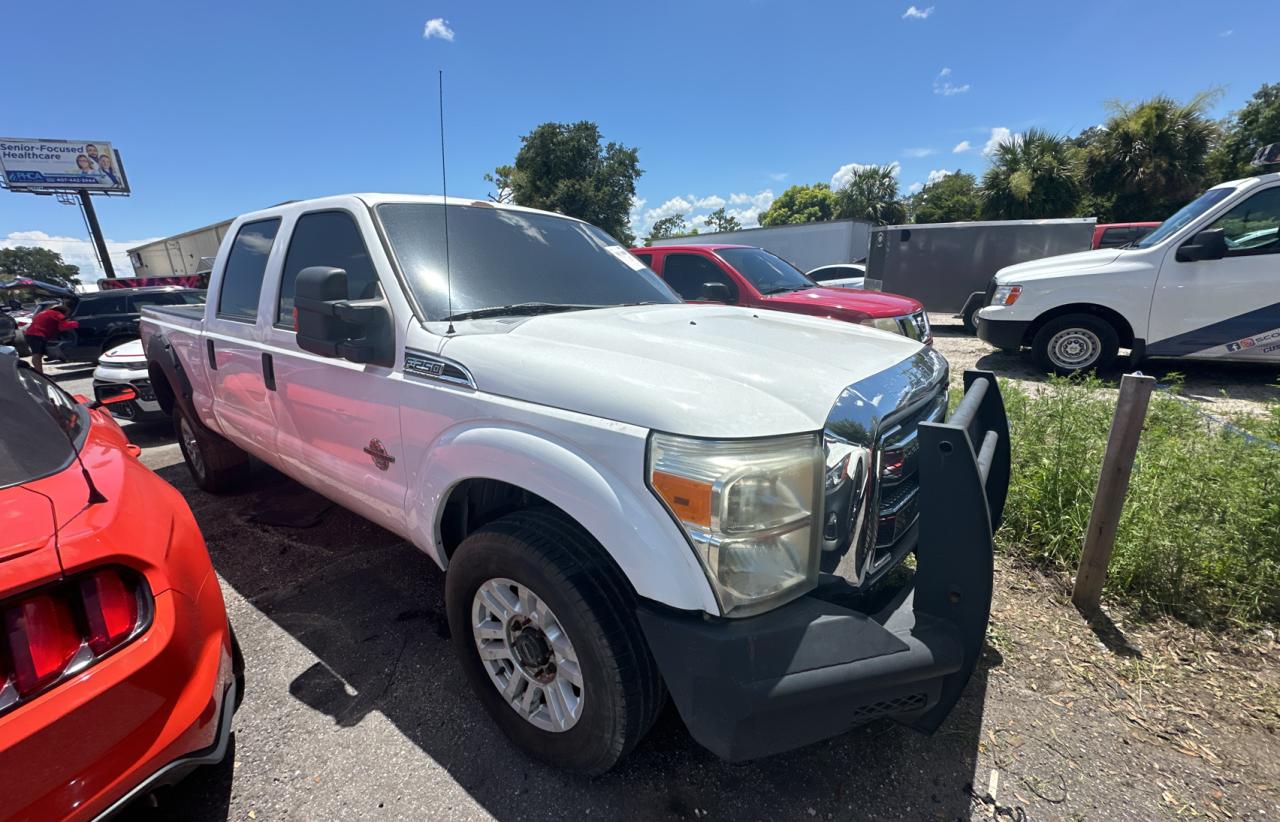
{"x":232,"y":106}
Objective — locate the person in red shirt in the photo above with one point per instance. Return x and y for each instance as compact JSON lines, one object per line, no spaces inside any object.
{"x":46,"y":324}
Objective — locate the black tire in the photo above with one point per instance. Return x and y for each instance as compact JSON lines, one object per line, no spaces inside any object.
{"x":237,"y":668}
{"x":215,"y":464}
{"x":570,"y":572}
{"x":1075,"y":343}
{"x":970,"y":318}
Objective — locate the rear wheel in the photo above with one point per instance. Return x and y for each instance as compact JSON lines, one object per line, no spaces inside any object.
{"x":545,"y":629}
{"x":1074,"y":343}
{"x":215,"y":464}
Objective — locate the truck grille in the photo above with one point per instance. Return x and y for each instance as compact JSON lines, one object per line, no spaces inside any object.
{"x":914,"y":326}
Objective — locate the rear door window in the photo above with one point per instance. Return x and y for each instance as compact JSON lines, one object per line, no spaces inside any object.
{"x":329,"y":238}
{"x":246,"y":265}
{"x":647,"y":259}
{"x":101,"y":306}
{"x":688,"y":273}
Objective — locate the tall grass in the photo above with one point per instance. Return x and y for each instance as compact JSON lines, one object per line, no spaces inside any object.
{"x":1200,"y":534}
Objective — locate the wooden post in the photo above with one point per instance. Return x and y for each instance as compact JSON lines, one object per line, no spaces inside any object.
{"x":1113,"y":484}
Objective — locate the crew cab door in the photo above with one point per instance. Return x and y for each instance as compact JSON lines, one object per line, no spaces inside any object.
{"x":689,"y":273}
{"x":1227,"y":308}
{"x":233,"y":340}
{"x":338,"y":421}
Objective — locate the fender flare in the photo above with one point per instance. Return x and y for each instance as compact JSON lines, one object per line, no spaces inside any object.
{"x":161,"y":357}
{"x":634,"y":529}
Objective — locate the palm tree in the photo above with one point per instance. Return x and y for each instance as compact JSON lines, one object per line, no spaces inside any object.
{"x":871,"y":194}
{"x":1032,"y":176}
{"x":1152,"y":157}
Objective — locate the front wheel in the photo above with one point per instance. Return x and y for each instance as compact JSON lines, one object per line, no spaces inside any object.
{"x":545,"y":629}
{"x":1075,"y":343}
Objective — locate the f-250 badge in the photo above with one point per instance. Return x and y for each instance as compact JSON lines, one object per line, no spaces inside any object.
{"x":381,"y":457}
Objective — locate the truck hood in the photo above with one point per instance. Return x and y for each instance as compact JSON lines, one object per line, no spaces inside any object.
{"x":843,"y":303}
{"x":707,"y":371}
{"x":1050,"y":267}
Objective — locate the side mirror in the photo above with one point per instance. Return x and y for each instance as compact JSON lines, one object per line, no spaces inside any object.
{"x":112,"y":393}
{"x":1207,"y":245}
{"x":716,"y":293}
{"x":329,"y":324}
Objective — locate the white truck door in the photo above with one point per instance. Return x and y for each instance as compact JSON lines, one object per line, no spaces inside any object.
{"x":1227,"y":308}
{"x":339,"y":421}
{"x":233,"y":341}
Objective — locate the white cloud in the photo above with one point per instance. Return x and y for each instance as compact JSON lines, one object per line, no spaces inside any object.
{"x":437,"y":27}
{"x":943,"y":86}
{"x":779,"y":176}
{"x":1226,"y":33}
{"x":937,"y":174}
{"x":999,"y":136}
{"x":914,"y":187}
{"x":918,"y":152}
{"x":78,"y":251}
{"x":913,"y":13}
{"x":745,"y":207}
{"x":845,"y":173}
{"x":962,"y":147}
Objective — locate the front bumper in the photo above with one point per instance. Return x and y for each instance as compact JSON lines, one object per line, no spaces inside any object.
{"x":145,"y":408}
{"x":831,"y":660}
{"x":1003,"y":334}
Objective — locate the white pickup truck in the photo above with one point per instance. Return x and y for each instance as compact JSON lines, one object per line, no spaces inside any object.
{"x":1204,"y":285}
{"x":630,"y":496}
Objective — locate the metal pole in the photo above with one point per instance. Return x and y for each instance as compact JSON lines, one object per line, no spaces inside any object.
{"x":96,"y":230}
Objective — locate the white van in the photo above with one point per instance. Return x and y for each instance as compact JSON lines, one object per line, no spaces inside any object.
{"x":1204,"y":285}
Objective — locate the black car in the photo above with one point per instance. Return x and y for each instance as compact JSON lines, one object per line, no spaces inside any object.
{"x":109,"y":318}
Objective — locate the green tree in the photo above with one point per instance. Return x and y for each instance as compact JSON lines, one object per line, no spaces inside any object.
{"x":1152,"y":157}
{"x":1246,"y":131}
{"x":719,"y":220}
{"x":801,"y":204}
{"x":1032,"y":176}
{"x":501,"y":179}
{"x":563,"y":167}
{"x":950,"y":200}
{"x":668,"y":227}
{"x":871,"y":194}
{"x":38,"y":264}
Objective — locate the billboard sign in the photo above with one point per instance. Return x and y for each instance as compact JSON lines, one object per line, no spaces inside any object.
{"x":61,"y":165}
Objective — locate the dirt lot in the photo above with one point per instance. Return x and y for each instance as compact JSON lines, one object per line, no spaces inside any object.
{"x":356,"y":708}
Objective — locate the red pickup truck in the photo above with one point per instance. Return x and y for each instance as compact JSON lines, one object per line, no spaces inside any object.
{"x":749,"y":276}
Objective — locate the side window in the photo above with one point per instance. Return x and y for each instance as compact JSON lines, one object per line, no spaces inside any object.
{"x":156,"y":298}
{"x":247,"y":262}
{"x":1113,"y":237}
{"x":326,"y":238}
{"x":1252,"y":227}
{"x":823,"y":275}
{"x":100,"y":306}
{"x":647,"y":259}
{"x":687,"y":273}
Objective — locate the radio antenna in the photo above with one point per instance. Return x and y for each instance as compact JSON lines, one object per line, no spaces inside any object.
{"x":444,"y":185}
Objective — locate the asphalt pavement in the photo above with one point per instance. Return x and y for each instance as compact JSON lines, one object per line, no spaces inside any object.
{"x":356,"y":708}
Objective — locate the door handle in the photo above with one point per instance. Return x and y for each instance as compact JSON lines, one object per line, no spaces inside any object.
{"x":213,"y":360}
{"x":268,"y":371}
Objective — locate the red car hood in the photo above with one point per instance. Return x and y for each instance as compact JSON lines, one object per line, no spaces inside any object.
{"x":843,"y":303}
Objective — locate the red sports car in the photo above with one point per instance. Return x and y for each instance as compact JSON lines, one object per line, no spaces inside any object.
{"x":118,"y":670}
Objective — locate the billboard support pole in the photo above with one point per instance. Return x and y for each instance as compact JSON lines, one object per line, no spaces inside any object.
{"x":99,"y":241}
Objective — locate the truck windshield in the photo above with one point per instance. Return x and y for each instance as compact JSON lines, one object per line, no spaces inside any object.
{"x":1185,"y":215}
{"x":506,"y":261}
{"x":769,"y":274}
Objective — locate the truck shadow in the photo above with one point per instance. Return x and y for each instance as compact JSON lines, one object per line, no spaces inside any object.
{"x":369,"y":606}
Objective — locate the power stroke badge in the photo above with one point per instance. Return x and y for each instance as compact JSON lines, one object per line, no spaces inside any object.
{"x":378,"y":452}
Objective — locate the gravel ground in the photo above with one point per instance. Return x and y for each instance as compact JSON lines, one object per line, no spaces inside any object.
{"x":356,"y":708}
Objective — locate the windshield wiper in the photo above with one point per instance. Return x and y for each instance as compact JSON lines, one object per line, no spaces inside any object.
{"x":785,"y":289}
{"x":517,"y":310}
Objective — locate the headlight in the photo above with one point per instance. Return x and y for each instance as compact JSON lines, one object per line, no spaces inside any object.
{"x":1005,"y":295}
{"x":889,"y":324}
{"x":750,"y":509}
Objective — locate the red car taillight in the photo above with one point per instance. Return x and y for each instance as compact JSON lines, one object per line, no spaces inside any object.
{"x":61,"y":629}
{"x":42,"y":638}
